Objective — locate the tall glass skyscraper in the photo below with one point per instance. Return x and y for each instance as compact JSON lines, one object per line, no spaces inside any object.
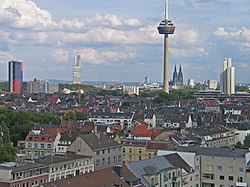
{"x":15,"y":77}
{"x":77,"y":70}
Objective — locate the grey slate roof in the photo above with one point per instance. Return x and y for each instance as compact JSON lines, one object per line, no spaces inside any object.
{"x":99,"y":141}
{"x":149,"y":167}
{"x":47,"y":160}
{"x":208,"y":151}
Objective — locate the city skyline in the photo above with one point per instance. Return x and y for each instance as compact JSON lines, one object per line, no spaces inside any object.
{"x":114,"y":37}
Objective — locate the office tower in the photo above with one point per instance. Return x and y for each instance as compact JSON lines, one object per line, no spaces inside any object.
{"x":34,"y":86}
{"x":166,"y":27}
{"x":15,"y":77}
{"x":77,"y":70}
{"x":227,"y":77}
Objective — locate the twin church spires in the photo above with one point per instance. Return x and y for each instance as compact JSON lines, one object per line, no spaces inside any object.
{"x":177,"y":78}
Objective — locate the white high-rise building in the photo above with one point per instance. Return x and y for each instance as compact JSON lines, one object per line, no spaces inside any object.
{"x":227,"y":77}
{"x":77,"y":70}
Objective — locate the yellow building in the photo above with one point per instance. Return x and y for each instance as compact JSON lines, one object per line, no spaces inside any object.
{"x":134,"y":150}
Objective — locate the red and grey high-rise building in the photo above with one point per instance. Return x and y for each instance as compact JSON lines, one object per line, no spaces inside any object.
{"x":15,"y":77}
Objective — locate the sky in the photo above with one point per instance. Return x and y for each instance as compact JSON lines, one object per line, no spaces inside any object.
{"x":118,"y":39}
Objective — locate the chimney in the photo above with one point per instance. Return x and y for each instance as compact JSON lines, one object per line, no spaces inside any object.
{"x":119,"y":170}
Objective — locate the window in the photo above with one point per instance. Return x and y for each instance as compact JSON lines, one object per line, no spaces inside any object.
{"x":119,"y":158}
{"x":219,"y":168}
{"x":130,"y":150}
{"x":98,"y":153}
{"x":222,"y":177}
{"x":240,"y":179}
{"x":209,"y":167}
{"x":108,"y":160}
{"x":139,"y":157}
{"x":35,"y":145}
{"x":97,"y":162}
{"x":124,"y":150}
{"x":103,"y":161}
{"x":241,"y":169}
{"x":49,"y":146}
{"x":42,"y":145}
{"x":103,"y":152}
{"x":231,"y":178}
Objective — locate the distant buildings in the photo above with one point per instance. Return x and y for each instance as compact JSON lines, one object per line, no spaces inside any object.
{"x":212,"y":84}
{"x":15,"y":77}
{"x":227,"y":77}
{"x":191,"y":82}
{"x":37,"y":86}
{"x":77,"y":70}
{"x":130,"y":90}
{"x":177,"y":78}
{"x":147,"y":84}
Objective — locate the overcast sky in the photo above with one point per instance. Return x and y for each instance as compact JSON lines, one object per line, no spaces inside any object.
{"x":118,"y":39}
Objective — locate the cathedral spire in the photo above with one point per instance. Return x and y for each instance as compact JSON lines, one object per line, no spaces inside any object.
{"x":175,"y":77}
{"x":180,"y":76}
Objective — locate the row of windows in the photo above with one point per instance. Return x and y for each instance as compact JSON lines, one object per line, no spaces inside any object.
{"x":220,"y":168}
{"x":32,"y":184}
{"x":107,"y":151}
{"x":108,"y":160}
{"x":42,"y":145}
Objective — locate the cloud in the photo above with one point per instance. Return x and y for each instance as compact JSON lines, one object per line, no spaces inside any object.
{"x":187,"y":52}
{"x":93,"y":56}
{"x":5,"y":57}
{"x":60,"y":55}
{"x":227,"y":34}
{"x":132,"y":22}
{"x":24,"y":14}
{"x":243,"y":65}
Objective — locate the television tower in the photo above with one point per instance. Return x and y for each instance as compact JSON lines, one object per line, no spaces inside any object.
{"x":166,"y":27}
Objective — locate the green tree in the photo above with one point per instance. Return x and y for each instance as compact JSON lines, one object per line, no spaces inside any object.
{"x":238,"y":145}
{"x":70,"y":116}
{"x":4,"y":133}
{"x":7,"y":152}
{"x":247,"y":141}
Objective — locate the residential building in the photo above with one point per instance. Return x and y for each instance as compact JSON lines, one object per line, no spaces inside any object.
{"x":43,"y":170}
{"x":34,"y":86}
{"x":123,"y":119}
{"x":105,"y":151}
{"x":212,"y":84}
{"x":41,"y":144}
{"x":77,"y":70}
{"x":63,"y":166}
{"x":24,"y":175}
{"x":117,"y":176}
{"x":15,"y":77}
{"x":216,"y":166}
{"x":227,"y":77}
{"x":135,"y":150}
{"x":156,"y":172}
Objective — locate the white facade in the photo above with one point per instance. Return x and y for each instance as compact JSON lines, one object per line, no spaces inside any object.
{"x":227,"y":77}
{"x":212,"y":84}
{"x":77,"y":70}
{"x":191,"y":82}
{"x":130,"y":90}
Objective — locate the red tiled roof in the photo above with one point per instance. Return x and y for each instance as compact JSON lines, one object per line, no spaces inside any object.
{"x":40,"y":138}
{"x":52,"y":131}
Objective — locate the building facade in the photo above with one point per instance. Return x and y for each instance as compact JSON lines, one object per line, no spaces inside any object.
{"x":105,"y":151}
{"x":15,"y":77}
{"x":34,"y":86}
{"x":227,"y":77}
{"x":212,"y":84}
{"x":77,"y":70}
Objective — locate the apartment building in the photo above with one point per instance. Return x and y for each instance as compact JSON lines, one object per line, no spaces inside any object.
{"x":104,"y":150}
